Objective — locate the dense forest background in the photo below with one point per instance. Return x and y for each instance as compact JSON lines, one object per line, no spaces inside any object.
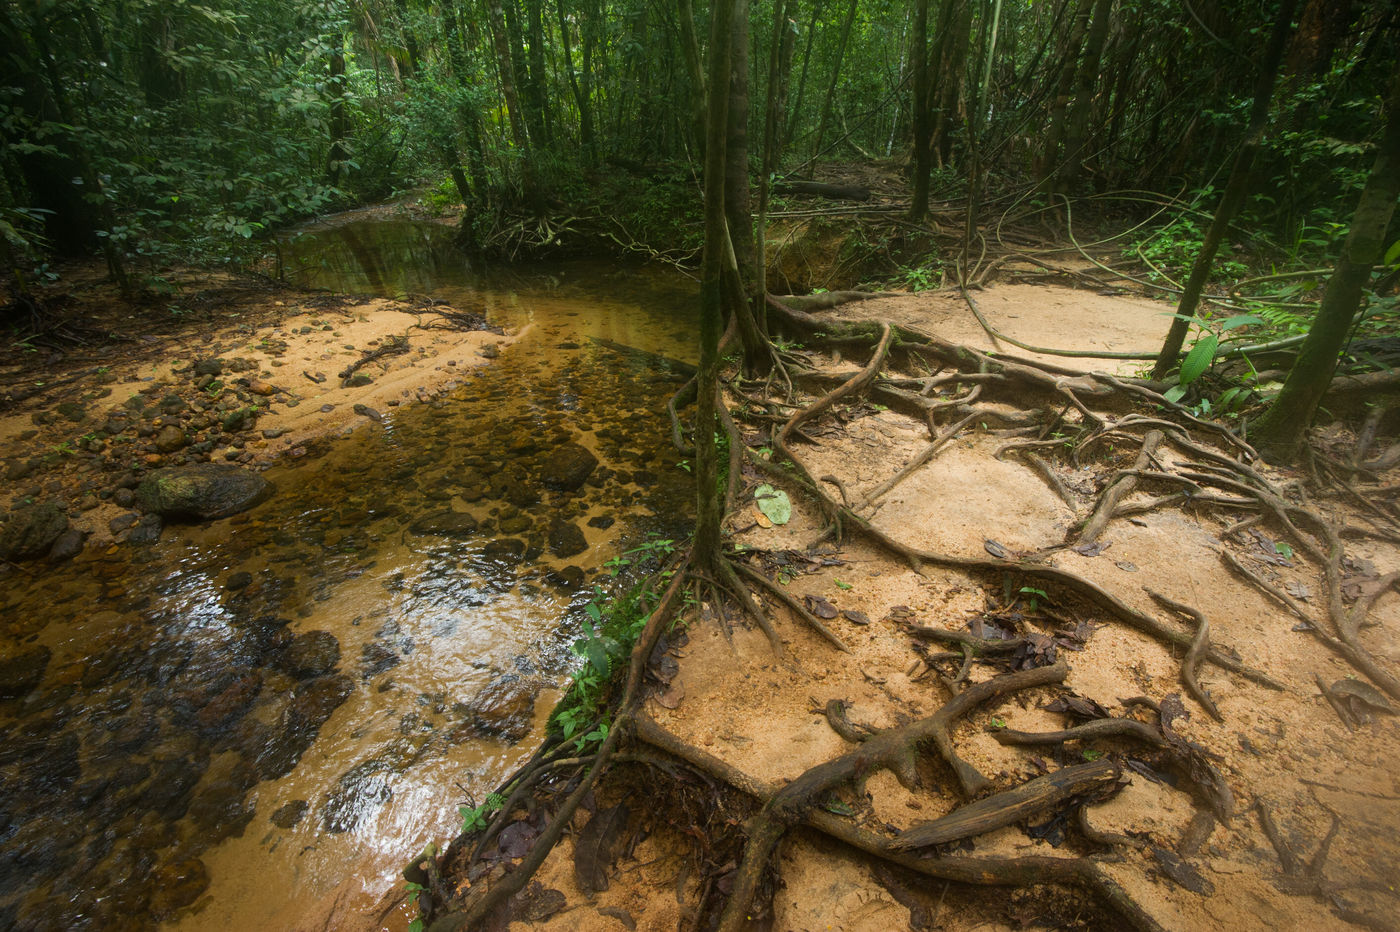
{"x":164,"y":131}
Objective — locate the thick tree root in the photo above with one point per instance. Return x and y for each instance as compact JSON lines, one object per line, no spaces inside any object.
{"x":1082,"y":873}
{"x":886,"y":750}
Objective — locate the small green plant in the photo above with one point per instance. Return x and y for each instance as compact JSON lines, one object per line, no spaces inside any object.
{"x":1033,"y":597}
{"x":918,"y":278}
{"x":842,"y":585}
{"x":1203,"y":351}
{"x":474,"y":818}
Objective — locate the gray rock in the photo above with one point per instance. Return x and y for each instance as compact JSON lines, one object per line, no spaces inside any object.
{"x":203,"y":493}
{"x":21,"y":673}
{"x":565,"y":539}
{"x":31,"y":530}
{"x":567,"y":467}
{"x":208,"y":367}
{"x":445,"y":524}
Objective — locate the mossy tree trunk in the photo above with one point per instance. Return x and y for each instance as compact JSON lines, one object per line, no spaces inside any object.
{"x":1279,"y":433}
{"x":709,"y":497}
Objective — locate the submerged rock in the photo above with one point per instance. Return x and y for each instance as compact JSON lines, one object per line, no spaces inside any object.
{"x":505,"y":709}
{"x":177,"y":885}
{"x":31,"y":530}
{"x":310,"y":706}
{"x":314,"y":653}
{"x":203,"y":493}
{"x":445,"y":524}
{"x":21,"y":673}
{"x":566,"y":539}
{"x":567,"y":467}
{"x":289,"y":815}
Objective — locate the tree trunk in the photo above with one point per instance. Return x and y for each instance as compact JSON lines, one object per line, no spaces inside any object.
{"x":923,"y":124}
{"x":1077,"y":123}
{"x":339,"y":153}
{"x":581,"y":99}
{"x":953,"y":44}
{"x":779,"y":63}
{"x":802,"y":75}
{"x":835,"y":78}
{"x":1236,"y":188}
{"x":690,"y":48}
{"x":1279,"y":433}
{"x":1055,"y":119}
{"x":467,"y":116}
{"x":709,"y":498}
{"x":506,"y":67}
{"x":539,"y":76}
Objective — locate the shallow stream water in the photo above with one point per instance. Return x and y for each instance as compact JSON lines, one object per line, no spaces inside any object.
{"x":248,"y":717}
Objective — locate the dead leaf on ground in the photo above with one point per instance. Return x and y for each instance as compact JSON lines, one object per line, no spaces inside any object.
{"x":819,"y":606}
{"x":596,"y":848}
{"x":673,"y":695}
{"x":1092,"y":549}
{"x":995,"y":549}
{"x":855,"y":617}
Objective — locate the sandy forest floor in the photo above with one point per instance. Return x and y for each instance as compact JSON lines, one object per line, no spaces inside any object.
{"x":1189,"y":858}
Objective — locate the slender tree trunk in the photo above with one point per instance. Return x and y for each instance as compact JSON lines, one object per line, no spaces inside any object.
{"x":467,"y":116}
{"x":709,"y":498}
{"x":539,"y":75}
{"x":779,"y":65}
{"x":585,"y":106}
{"x":1077,"y":123}
{"x":835,"y":78}
{"x":802,"y":75}
{"x":339,"y":154}
{"x":690,"y":49}
{"x":1055,"y":120}
{"x":923,"y":124}
{"x":1236,"y":188}
{"x":986,"y":54}
{"x":953,"y":55}
{"x":1279,"y":433}
{"x":506,"y":67}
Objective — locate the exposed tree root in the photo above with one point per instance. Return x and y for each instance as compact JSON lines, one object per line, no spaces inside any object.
{"x":1080,"y":872}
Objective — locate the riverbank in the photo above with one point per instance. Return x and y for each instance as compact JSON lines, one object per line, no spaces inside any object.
{"x":226,"y":369}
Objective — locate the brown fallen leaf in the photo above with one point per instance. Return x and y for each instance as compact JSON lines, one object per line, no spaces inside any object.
{"x":819,"y":606}
{"x":672,"y":696}
{"x":760,"y":517}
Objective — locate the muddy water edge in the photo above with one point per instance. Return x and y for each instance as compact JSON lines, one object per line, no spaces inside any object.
{"x":243,"y":717}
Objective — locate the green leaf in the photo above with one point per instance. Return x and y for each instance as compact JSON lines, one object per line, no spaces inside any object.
{"x":1284,"y":550}
{"x":1199,"y":359}
{"x":1392,"y":254}
{"x":1174,"y":393}
{"x":1240,"y":320}
{"x":774,"y":503}
{"x":842,"y":585}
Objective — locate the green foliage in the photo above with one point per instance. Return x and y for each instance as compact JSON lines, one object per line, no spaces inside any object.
{"x":610,"y":626}
{"x":475,"y":818}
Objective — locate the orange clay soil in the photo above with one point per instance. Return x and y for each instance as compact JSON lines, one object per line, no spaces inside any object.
{"x":976,"y":546}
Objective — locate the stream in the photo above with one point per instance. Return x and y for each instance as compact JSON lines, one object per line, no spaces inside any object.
{"x":252,"y":719}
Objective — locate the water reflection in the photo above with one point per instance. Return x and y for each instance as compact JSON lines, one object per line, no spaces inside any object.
{"x":239,"y":717}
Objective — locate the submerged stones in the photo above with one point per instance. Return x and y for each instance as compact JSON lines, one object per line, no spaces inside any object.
{"x":203,"y":492}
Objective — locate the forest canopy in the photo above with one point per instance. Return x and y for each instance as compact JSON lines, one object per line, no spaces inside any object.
{"x":161,"y":131}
